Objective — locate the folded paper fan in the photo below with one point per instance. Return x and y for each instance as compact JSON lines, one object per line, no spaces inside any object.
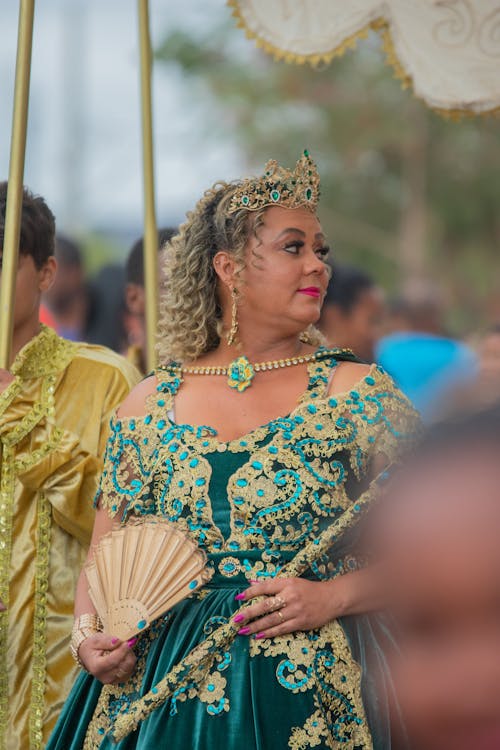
{"x":141,"y":570}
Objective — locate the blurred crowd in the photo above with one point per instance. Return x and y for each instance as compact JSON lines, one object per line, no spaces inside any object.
{"x":106,"y":309}
{"x":406,"y":334}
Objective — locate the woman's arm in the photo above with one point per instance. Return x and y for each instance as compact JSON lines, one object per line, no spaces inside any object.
{"x":102,"y":525}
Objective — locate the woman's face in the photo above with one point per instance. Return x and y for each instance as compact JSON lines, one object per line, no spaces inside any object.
{"x":285,"y":278}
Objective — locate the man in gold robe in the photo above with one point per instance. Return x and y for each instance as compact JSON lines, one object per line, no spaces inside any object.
{"x":55,"y":403}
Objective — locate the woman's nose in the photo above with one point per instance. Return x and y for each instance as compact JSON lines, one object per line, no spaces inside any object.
{"x":314,"y":263}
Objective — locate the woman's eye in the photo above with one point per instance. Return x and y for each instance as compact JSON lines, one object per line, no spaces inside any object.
{"x":293,"y":247}
{"x":323,"y":251}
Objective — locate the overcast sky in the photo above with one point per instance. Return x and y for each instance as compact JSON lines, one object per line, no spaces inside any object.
{"x":84,"y":148}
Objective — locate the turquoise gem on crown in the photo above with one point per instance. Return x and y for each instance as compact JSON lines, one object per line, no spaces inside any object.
{"x":278,"y":185}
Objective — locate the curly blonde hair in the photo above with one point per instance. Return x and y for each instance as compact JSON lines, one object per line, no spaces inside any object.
{"x":190,"y":321}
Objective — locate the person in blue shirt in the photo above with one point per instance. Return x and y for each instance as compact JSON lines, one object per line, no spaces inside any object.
{"x":426,"y":363}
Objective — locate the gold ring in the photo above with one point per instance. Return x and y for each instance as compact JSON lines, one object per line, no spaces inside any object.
{"x":279,"y":602}
{"x":280,"y":615}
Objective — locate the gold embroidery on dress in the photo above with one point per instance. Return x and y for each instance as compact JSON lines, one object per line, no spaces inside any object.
{"x":195,"y":666}
{"x":229,"y":566}
{"x":289,"y":501}
{"x":320,"y":660}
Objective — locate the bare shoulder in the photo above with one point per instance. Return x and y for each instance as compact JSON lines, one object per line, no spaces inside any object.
{"x":135,"y":403}
{"x":348,"y":374}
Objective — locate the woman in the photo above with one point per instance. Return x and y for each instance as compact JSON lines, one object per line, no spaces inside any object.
{"x":268,"y":467}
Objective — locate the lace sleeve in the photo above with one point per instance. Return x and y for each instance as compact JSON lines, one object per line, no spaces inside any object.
{"x":124,"y":486}
{"x":392,"y":423}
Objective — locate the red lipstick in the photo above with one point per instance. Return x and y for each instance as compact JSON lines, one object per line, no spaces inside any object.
{"x":311,"y":291}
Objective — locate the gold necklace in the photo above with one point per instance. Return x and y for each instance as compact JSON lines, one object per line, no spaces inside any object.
{"x":241,"y":372}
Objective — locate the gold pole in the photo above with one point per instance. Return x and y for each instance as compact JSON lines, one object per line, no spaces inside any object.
{"x":16,"y":172}
{"x":150,"y":228}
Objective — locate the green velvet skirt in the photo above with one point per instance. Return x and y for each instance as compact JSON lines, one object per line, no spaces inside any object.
{"x":297,"y":691}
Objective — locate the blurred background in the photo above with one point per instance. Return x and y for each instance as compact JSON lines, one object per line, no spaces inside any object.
{"x":409,"y":197}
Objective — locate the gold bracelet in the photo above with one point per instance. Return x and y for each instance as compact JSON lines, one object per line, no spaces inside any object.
{"x":83,"y":627}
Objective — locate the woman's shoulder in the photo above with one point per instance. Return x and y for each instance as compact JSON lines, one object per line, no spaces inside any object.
{"x":347,"y":375}
{"x":368,"y":381}
{"x":135,"y":404}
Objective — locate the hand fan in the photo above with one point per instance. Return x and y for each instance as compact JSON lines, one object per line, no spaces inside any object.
{"x":141,"y":570}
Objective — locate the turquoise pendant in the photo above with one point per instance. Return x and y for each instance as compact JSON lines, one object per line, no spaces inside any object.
{"x":240,"y":374}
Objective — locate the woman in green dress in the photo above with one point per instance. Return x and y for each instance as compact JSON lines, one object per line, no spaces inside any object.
{"x":265,"y":447}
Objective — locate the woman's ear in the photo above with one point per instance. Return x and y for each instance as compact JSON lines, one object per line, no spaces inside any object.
{"x":225,"y":267}
{"x":47,"y":274}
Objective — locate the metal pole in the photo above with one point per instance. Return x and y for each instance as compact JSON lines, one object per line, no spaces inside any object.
{"x":150,"y":228}
{"x":16,"y":172}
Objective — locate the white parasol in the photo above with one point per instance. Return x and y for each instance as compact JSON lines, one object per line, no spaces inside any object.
{"x":447,"y":50}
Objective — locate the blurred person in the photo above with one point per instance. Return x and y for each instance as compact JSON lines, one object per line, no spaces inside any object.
{"x":352,"y":312}
{"x":135,"y":298}
{"x":270,"y":486}
{"x":488,"y":381}
{"x":484,"y":389}
{"x":55,"y":402}
{"x":437,"y":535}
{"x":424,"y":361}
{"x":68,"y":297}
{"x":107,"y":311}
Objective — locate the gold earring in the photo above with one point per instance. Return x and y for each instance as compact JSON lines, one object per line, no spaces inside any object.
{"x":231,"y":338}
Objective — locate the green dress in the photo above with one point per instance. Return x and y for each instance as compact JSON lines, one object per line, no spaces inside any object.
{"x":283,"y":500}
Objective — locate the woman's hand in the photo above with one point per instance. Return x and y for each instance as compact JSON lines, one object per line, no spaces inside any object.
{"x":290,"y":604}
{"x":110,"y":660}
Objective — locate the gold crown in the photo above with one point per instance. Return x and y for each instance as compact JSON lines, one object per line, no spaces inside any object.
{"x":280,"y":187}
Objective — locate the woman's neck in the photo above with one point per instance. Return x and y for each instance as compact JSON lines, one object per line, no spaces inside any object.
{"x":260,"y":350}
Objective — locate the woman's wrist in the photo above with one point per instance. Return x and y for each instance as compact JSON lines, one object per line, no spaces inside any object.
{"x":338,"y":597}
{"x":84,"y":627}
{"x":353,"y":593}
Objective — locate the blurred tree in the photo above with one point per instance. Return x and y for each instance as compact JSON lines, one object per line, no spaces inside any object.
{"x":99,"y":250}
{"x":405,"y":192}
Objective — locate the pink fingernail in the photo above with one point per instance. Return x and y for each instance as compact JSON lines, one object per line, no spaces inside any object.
{"x":259,"y":635}
{"x":131,"y":642}
{"x":254,"y":581}
{"x":114,"y":641}
{"x":244,"y":631}
{"x":240,"y":597}
{"x":239,"y":618}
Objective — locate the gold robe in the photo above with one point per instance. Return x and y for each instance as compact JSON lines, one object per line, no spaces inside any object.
{"x":54,"y":420}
